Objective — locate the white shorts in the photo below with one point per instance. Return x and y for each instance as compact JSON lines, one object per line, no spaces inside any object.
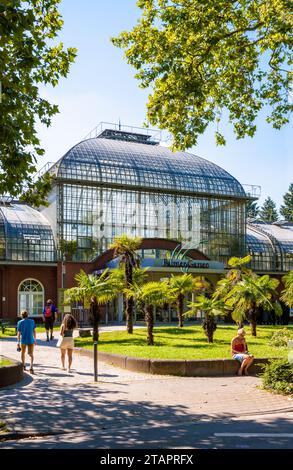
{"x":67,"y":343}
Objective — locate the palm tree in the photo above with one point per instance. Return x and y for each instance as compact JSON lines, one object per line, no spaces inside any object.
{"x":125,"y":248}
{"x":118,"y":278}
{"x":211,"y":308}
{"x":250,"y":294}
{"x":287,"y":293}
{"x":202,"y":285}
{"x":182,"y":285}
{"x":236,"y":273}
{"x":153,"y":294}
{"x":96,"y":291}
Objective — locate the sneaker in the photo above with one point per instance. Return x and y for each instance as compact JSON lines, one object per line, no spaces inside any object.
{"x":47,"y":338}
{"x":51,"y":337}
{"x":31,"y":370}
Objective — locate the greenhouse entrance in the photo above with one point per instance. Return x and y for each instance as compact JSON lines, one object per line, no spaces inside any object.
{"x":31,"y":297}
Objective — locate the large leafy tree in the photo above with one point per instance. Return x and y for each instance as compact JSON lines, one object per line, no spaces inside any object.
{"x":125,"y":248}
{"x":204,"y":57}
{"x":286,"y":209}
{"x":268,"y":211}
{"x":29,"y":57}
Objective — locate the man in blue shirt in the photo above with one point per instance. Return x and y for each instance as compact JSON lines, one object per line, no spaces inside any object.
{"x":26,"y":337}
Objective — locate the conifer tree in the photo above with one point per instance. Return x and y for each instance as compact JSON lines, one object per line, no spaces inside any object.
{"x":268,"y":212}
{"x":286,"y":209}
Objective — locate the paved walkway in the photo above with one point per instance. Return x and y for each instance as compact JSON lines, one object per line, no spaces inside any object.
{"x":132,"y":409}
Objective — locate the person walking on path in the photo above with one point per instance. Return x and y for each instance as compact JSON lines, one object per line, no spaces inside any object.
{"x":239,"y":352}
{"x":49,"y":317}
{"x":26,"y":338}
{"x":66,"y":341}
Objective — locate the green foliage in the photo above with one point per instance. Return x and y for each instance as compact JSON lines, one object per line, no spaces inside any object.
{"x":252,"y":209}
{"x":204,"y":57}
{"x":37,"y":193}
{"x":280,"y":338}
{"x":89,"y":287}
{"x":125,"y":248}
{"x":182,"y":284}
{"x":5,"y":362}
{"x":287,"y":293}
{"x":118,"y":276}
{"x":268,"y":211}
{"x":251,"y":293}
{"x":155,"y":293}
{"x":234,"y":275}
{"x":239,"y":263}
{"x":211,"y":307}
{"x":68,"y":247}
{"x":286,"y":209}
{"x":30,"y":57}
{"x":278,"y":377}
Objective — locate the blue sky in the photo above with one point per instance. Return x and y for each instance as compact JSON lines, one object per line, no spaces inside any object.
{"x":101,"y":87}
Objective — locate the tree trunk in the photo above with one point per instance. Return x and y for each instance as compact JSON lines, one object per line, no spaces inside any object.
{"x":252,"y":321}
{"x":150,"y":324}
{"x":95,"y":318}
{"x":180,"y":304}
{"x":209,"y":328}
{"x":129,"y":300}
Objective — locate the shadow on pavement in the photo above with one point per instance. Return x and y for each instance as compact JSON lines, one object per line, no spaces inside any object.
{"x":109,"y":418}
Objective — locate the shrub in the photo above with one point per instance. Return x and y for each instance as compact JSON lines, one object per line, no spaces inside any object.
{"x":280,"y":338}
{"x":278,"y":376}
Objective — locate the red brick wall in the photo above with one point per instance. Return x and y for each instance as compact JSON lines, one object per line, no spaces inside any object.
{"x":10,"y":278}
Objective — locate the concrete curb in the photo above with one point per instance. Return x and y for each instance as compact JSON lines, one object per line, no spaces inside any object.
{"x":11,"y":374}
{"x":195,"y":368}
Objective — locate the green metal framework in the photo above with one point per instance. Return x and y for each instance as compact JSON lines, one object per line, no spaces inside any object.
{"x":25,"y":235}
{"x":116,"y":184}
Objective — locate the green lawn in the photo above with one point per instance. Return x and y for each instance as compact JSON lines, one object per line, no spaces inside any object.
{"x":11,"y":331}
{"x":4,"y":362}
{"x":187,"y":343}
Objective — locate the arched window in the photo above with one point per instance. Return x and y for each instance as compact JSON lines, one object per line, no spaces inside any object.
{"x":31,"y":297}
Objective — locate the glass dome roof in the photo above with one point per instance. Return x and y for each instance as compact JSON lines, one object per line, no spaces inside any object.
{"x":25,"y":234}
{"x":113,"y":163}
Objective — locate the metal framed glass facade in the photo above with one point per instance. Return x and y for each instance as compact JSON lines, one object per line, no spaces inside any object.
{"x":106,"y":188}
{"x":143,"y":166}
{"x":270,"y":246}
{"x":25,"y":235}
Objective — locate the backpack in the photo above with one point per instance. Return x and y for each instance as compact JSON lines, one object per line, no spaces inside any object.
{"x":48,"y":312}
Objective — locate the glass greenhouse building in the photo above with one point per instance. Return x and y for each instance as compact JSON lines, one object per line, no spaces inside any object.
{"x":113,"y":184}
{"x":189,"y":212}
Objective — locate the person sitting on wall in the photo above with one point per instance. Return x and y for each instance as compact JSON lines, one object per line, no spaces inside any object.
{"x":239,"y":352}
{"x":49,"y":317}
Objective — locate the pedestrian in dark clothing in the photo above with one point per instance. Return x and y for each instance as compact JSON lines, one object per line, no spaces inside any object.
{"x":49,"y":317}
